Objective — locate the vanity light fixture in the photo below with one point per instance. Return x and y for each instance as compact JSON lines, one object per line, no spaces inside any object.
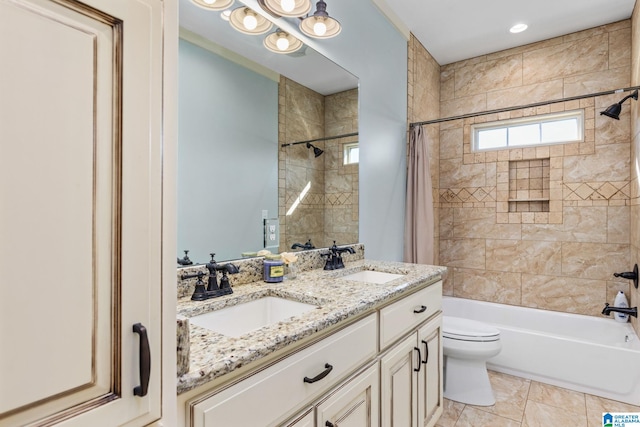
{"x":320,"y":25}
{"x":613,"y":111}
{"x":282,"y":42}
{"x":213,"y":4}
{"x":287,"y":8}
{"x":249,"y":22}
{"x":518,"y":28}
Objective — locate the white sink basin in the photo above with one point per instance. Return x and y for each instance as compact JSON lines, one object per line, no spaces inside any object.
{"x":378,"y":277}
{"x":239,"y":319}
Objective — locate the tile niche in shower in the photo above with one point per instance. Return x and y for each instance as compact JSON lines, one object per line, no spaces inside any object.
{"x":529,"y":185}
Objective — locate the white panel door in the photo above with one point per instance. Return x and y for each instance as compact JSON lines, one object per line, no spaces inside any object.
{"x":80,"y":211}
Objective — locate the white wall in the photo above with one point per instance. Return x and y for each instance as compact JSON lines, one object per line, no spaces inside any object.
{"x":227,"y":155}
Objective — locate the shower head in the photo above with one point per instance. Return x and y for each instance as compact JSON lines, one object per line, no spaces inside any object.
{"x":613,"y":110}
{"x":316,"y":151}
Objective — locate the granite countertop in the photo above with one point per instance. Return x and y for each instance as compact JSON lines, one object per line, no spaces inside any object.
{"x":213,"y":355}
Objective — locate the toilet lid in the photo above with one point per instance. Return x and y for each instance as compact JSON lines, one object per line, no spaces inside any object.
{"x":468,"y":330}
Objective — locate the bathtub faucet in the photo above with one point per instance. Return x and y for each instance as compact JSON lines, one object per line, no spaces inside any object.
{"x":624,"y":310}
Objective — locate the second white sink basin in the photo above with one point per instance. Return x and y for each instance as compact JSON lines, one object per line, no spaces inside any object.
{"x":378,"y":277}
{"x":239,"y":319}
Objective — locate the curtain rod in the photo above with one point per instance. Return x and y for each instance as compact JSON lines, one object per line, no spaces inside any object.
{"x":536,"y":104}
{"x":321,"y":139}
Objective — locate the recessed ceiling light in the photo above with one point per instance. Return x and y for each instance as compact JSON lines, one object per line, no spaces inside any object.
{"x":518,"y":28}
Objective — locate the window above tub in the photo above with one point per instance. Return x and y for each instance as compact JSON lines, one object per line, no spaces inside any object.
{"x":351,"y":153}
{"x":555,"y":128}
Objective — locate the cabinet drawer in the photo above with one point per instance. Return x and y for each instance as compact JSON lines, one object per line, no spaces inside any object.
{"x":266,"y":396}
{"x":400,"y":317}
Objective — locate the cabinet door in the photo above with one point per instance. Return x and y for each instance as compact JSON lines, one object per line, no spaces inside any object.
{"x":399,"y":390}
{"x":81,"y":216}
{"x":430,"y":404}
{"x":355,"y":404}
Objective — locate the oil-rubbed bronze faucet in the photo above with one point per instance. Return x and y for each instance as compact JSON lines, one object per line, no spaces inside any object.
{"x":212,"y":290}
{"x":306,"y":246}
{"x":185,"y":260}
{"x":630,"y":275}
{"x":633,"y":311}
{"x":334,"y":257}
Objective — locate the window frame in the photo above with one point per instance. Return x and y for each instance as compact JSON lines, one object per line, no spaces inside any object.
{"x":346,"y":149}
{"x":539,"y":119}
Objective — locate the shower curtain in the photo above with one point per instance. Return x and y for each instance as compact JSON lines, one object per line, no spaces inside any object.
{"x":419,"y":222}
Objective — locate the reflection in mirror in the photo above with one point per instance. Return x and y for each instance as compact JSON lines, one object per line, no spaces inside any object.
{"x":234,"y":117}
{"x":320,"y":191}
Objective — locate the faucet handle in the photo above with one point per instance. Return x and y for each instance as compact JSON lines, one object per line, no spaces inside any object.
{"x":630,"y":275}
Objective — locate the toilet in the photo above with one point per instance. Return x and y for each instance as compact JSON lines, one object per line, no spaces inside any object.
{"x":467,"y":345}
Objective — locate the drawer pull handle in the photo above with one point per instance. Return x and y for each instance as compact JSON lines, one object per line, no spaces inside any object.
{"x":423,"y":308}
{"x":329,"y":424}
{"x":426,"y":352}
{"x":144,"y":362}
{"x":419,"y":359}
{"x":327,"y":368}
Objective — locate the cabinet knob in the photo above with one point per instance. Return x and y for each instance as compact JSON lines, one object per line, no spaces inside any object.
{"x":328,"y":424}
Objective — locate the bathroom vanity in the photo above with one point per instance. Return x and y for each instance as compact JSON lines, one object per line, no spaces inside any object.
{"x":364,"y":350}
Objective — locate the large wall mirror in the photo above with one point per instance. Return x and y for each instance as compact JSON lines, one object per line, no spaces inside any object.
{"x":261,"y":136}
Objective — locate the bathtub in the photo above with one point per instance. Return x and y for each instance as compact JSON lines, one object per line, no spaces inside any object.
{"x":588,"y":354}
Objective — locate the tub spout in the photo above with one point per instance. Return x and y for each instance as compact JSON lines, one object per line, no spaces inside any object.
{"x":631,"y":311}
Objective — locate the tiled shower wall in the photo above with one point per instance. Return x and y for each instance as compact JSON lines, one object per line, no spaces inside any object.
{"x":423,"y":103}
{"x":563,"y":258}
{"x":635,"y":157}
{"x":329,"y":210}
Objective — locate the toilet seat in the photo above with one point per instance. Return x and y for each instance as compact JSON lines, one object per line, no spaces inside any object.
{"x":458,"y":328}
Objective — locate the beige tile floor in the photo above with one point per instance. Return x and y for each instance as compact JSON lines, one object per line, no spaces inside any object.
{"x":526,"y":403}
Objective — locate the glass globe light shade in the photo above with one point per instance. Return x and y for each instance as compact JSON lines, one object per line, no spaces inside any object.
{"x":282,"y":43}
{"x":320,"y":28}
{"x":250,"y":22}
{"x":287,"y":5}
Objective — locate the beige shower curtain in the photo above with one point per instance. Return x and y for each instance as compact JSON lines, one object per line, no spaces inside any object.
{"x":419,"y":223}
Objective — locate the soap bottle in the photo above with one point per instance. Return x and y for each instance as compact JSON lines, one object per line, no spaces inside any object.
{"x":620,"y":301}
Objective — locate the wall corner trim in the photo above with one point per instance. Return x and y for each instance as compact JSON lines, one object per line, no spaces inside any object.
{"x":384,"y":8}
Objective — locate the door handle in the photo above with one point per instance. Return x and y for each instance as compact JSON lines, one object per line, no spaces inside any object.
{"x":327,"y":368}
{"x":419,"y":359}
{"x":426,"y":352}
{"x":145,"y":361}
